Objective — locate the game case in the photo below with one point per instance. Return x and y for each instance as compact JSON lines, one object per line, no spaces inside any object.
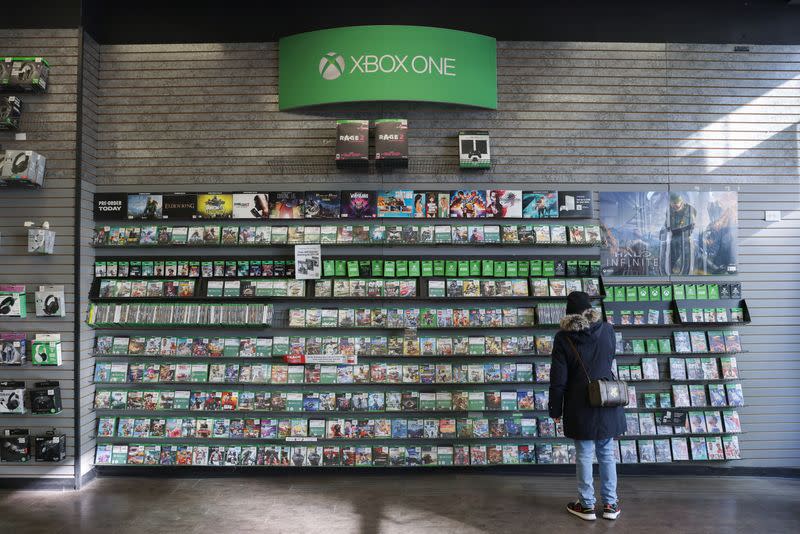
{"x":540,"y":205}
{"x":504,"y":203}
{"x":358,"y":204}
{"x":682,"y":342}
{"x":698,"y":341}
{"x":732,"y":342}
{"x":469,"y":204}
{"x":731,"y":447}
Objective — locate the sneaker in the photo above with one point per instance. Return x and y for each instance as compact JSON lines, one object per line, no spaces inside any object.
{"x":611,"y":511}
{"x":576,"y":508}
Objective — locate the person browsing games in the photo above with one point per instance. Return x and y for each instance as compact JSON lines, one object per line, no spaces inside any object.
{"x":593,"y":429}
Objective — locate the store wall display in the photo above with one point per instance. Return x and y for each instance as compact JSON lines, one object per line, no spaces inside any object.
{"x":598,"y":154}
{"x":10,"y":112}
{"x":660,"y":233}
{"x":463,"y":203}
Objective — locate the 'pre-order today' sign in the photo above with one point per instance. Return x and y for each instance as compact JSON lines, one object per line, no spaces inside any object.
{"x":402,"y":63}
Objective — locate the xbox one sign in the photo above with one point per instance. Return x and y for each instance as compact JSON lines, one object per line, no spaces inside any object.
{"x":331,"y":66}
{"x":386,"y":63}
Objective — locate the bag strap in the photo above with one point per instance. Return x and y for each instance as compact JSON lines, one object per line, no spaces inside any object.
{"x":578,"y":356}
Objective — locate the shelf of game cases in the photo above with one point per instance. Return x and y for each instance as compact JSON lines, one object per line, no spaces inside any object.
{"x":702,"y":320}
{"x":478,"y":233}
{"x":312,"y":452}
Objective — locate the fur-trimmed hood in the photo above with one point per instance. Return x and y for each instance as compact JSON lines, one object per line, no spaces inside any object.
{"x":579,"y":321}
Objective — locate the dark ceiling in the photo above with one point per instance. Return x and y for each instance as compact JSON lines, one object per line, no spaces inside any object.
{"x":154,"y":21}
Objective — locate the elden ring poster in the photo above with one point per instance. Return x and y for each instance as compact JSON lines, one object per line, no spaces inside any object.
{"x":663,"y":233}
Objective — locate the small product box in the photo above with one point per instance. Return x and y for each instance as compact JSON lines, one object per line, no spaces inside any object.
{"x":45,"y":398}
{"x":50,"y":301}
{"x":23,"y":167}
{"x":391,"y":142}
{"x":15,"y":445}
{"x":473,"y":147}
{"x":41,"y":240}
{"x":46,"y":349}
{"x":13,"y":347}
{"x":13,"y":301}
{"x":352,"y":142}
{"x":12,"y":397}
{"x":52,"y":447}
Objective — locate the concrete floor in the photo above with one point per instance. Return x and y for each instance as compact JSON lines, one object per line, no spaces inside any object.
{"x":403,"y":504}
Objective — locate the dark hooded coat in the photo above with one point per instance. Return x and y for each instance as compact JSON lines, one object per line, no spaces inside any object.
{"x":594,"y":341}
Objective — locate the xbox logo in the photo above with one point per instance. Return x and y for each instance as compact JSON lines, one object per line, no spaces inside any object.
{"x":331,"y":66}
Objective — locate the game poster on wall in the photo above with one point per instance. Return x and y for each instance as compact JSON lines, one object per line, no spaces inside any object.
{"x":145,"y":206}
{"x":215,"y":206}
{"x":399,"y":203}
{"x":661,"y":233}
{"x":250,"y":206}
{"x":466,"y":204}
{"x":504,"y":203}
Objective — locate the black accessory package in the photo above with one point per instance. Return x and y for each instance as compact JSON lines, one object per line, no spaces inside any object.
{"x":15,"y":445}
{"x":45,"y":398}
{"x":51,"y":447}
{"x":12,"y":395}
{"x":603,"y":393}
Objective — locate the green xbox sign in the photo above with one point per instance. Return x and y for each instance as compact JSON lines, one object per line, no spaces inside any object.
{"x":387,"y":63}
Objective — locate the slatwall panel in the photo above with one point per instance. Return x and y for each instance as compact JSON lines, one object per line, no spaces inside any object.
{"x":49,"y":120}
{"x":88,"y":428}
{"x":609,"y":115}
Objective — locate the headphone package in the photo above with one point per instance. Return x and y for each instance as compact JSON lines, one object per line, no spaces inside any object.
{"x":24,"y":74}
{"x":41,"y":240}
{"x":46,"y":349}
{"x":12,"y":397}
{"x":50,"y":301}
{"x":473,"y":147}
{"x":23,"y":167}
{"x":391,"y":142}
{"x":13,"y":301}
{"x":45,"y":398}
{"x":51,"y":447}
{"x":12,"y":348}
{"x":15,"y":445}
{"x":10,"y":112}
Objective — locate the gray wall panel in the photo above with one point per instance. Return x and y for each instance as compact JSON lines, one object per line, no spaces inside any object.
{"x":50,"y":122}
{"x":607,"y":116}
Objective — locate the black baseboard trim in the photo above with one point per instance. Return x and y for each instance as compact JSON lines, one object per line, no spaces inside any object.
{"x":88,"y":477}
{"x":547,"y":470}
{"x":42,"y":484}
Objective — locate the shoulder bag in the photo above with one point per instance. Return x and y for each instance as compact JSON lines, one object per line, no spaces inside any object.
{"x":602,"y":393}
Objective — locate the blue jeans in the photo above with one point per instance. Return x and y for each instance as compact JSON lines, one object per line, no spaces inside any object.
{"x":585,"y":450}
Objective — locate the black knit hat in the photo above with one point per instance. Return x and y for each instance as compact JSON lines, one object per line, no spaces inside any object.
{"x":578,"y":302}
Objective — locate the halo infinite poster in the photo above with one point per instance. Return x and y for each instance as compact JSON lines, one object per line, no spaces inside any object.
{"x":663,"y":233}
